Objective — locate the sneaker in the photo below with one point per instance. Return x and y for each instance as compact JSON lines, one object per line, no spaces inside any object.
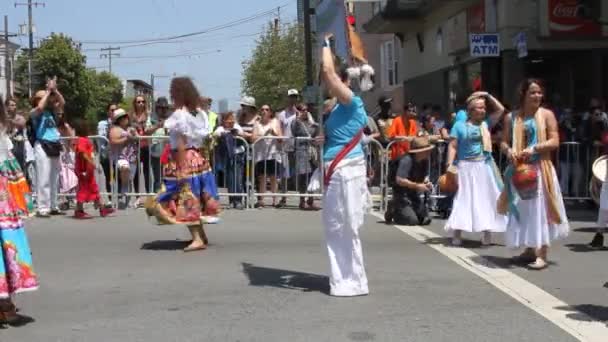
{"x":486,"y":239}
{"x":43,"y":214}
{"x":56,"y":212}
{"x":456,"y":242}
{"x":598,"y":241}
{"x":105,"y":212}
{"x":82,"y":215}
{"x":238,"y":206}
{"x":210,"y":219}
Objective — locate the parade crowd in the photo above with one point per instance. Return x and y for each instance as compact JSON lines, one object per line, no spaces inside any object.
{"x":184,"y":150}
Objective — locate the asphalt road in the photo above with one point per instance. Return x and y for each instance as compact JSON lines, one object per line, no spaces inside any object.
{"x":263,"y":278}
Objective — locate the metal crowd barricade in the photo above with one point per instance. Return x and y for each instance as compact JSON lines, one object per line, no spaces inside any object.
{"x":143,"y":175}
{"x":575,"y":161}
{"x":288,"y":163}
{"x":68,"y":172}
{"x":375,"y":156}
{"x":232,"y":171}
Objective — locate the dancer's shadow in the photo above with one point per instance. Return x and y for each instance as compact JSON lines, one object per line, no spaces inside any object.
{"x":21,"y":321}
{"x":587,"y":312}
{"x":583,"y":248}
{"x":306,"y":282}
{"x":165,"y":245}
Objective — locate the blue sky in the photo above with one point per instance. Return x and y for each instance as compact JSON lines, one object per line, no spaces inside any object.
{"x":213,"y":59}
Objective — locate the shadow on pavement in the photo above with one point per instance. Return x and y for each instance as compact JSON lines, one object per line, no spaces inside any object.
{"x":446,"y":241}
{"x":583,"y":248}
{"x":583,"y":312}
{"x":492,"y":261}
{"x":165,"y":245}
{"x":586,"y":230}
{"x":307,"y":282}
{"x":21,"y":321}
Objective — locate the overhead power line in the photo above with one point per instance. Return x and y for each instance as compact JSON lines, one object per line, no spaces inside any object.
{"x":197,"y":33}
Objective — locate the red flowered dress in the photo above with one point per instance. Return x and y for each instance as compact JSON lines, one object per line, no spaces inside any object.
{"x":88,"y":191}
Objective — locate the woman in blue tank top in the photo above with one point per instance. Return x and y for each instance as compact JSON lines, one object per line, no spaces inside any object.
{"x":346,"y":194}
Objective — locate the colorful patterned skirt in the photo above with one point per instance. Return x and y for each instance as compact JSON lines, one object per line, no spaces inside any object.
{"x":17,"y":186}
{"x":185,"y":200}
{"x":16,"y":272}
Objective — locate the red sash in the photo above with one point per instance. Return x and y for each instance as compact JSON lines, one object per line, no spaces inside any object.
{"x":343,"y":153}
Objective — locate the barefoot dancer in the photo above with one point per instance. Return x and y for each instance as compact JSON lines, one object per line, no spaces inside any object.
{"x":530,"y":135}
{"x":189,"y":185}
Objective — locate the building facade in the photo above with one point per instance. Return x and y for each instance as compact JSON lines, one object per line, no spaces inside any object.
{"x":7,"y":68}
{"x":451,"y":48}
{"x":383,"y":54}
{"x":134,"y":88}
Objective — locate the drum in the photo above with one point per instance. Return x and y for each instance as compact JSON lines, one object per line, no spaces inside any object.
{"x":599,"y":171}
{"x":448,"y":182}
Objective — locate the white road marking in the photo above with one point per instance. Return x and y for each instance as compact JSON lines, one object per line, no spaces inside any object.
{"x":584,"y":327}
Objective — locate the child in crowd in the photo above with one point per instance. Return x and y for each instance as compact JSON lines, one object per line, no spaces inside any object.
{"x":88,"y":190}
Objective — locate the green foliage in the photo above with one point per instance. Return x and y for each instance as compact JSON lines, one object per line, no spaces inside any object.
{"x":276,"y":65}
{"x":106,"y":89}
{"x":86,"y":92}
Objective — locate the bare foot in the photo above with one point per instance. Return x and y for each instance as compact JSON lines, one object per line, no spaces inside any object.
{"x":195,"y":246}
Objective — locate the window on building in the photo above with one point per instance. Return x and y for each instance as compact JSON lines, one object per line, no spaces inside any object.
{"x":389,"y":55}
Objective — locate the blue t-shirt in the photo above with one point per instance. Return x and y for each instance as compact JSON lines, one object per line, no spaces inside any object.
{"x":46,"y":127}
{"x":344,"y":122}
{"x":461,"y":116}
{"x":469,"y":139}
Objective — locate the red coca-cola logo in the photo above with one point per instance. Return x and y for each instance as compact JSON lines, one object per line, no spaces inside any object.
{"x":562,"y":10}
{"x":565,"y":19}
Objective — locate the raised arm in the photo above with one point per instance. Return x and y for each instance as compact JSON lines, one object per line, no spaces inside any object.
{"x":330,"y":77}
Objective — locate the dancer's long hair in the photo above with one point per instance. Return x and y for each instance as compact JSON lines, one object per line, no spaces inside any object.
{"x":184,"y":93}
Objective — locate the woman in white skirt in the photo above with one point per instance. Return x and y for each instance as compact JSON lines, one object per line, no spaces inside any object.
{"x":530,"y":136}
{"x":346,"y":195}
{"x":479,"y":183}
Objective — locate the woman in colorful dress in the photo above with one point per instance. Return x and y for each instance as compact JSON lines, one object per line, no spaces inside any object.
{"x":189,"y":185}
{"x":16,"y":272}
{"x":479,"y":181}
{"x":346,"y":197}
{"x":536,"y":217}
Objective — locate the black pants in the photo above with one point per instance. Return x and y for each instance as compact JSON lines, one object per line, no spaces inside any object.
{"x":144,"y":161}
{"x":409,"y":210}
{"x":105,"y":165}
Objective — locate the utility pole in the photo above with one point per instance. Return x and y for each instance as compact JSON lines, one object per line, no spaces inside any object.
{"x":152,"y":78}
{"x":110,"y":54}
{"x":29,"y":5}
{"x":308,"y":44}
{"x":7,"y":65}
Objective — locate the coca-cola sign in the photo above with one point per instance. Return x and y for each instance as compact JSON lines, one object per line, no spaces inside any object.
{"x":565,"y":19}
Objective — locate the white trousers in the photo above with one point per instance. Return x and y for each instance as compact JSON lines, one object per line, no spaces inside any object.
{"x":344,"y":206}
{"x":47,"y":179}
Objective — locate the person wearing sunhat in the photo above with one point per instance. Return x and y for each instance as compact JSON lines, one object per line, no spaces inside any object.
{"x":123,"y":145}
{"x":411,"y":181}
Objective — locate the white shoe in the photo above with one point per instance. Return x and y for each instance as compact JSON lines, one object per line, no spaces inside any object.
{"x":210,"y":219}
{"x":456,"y":242}
{"x":486,"y":239}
